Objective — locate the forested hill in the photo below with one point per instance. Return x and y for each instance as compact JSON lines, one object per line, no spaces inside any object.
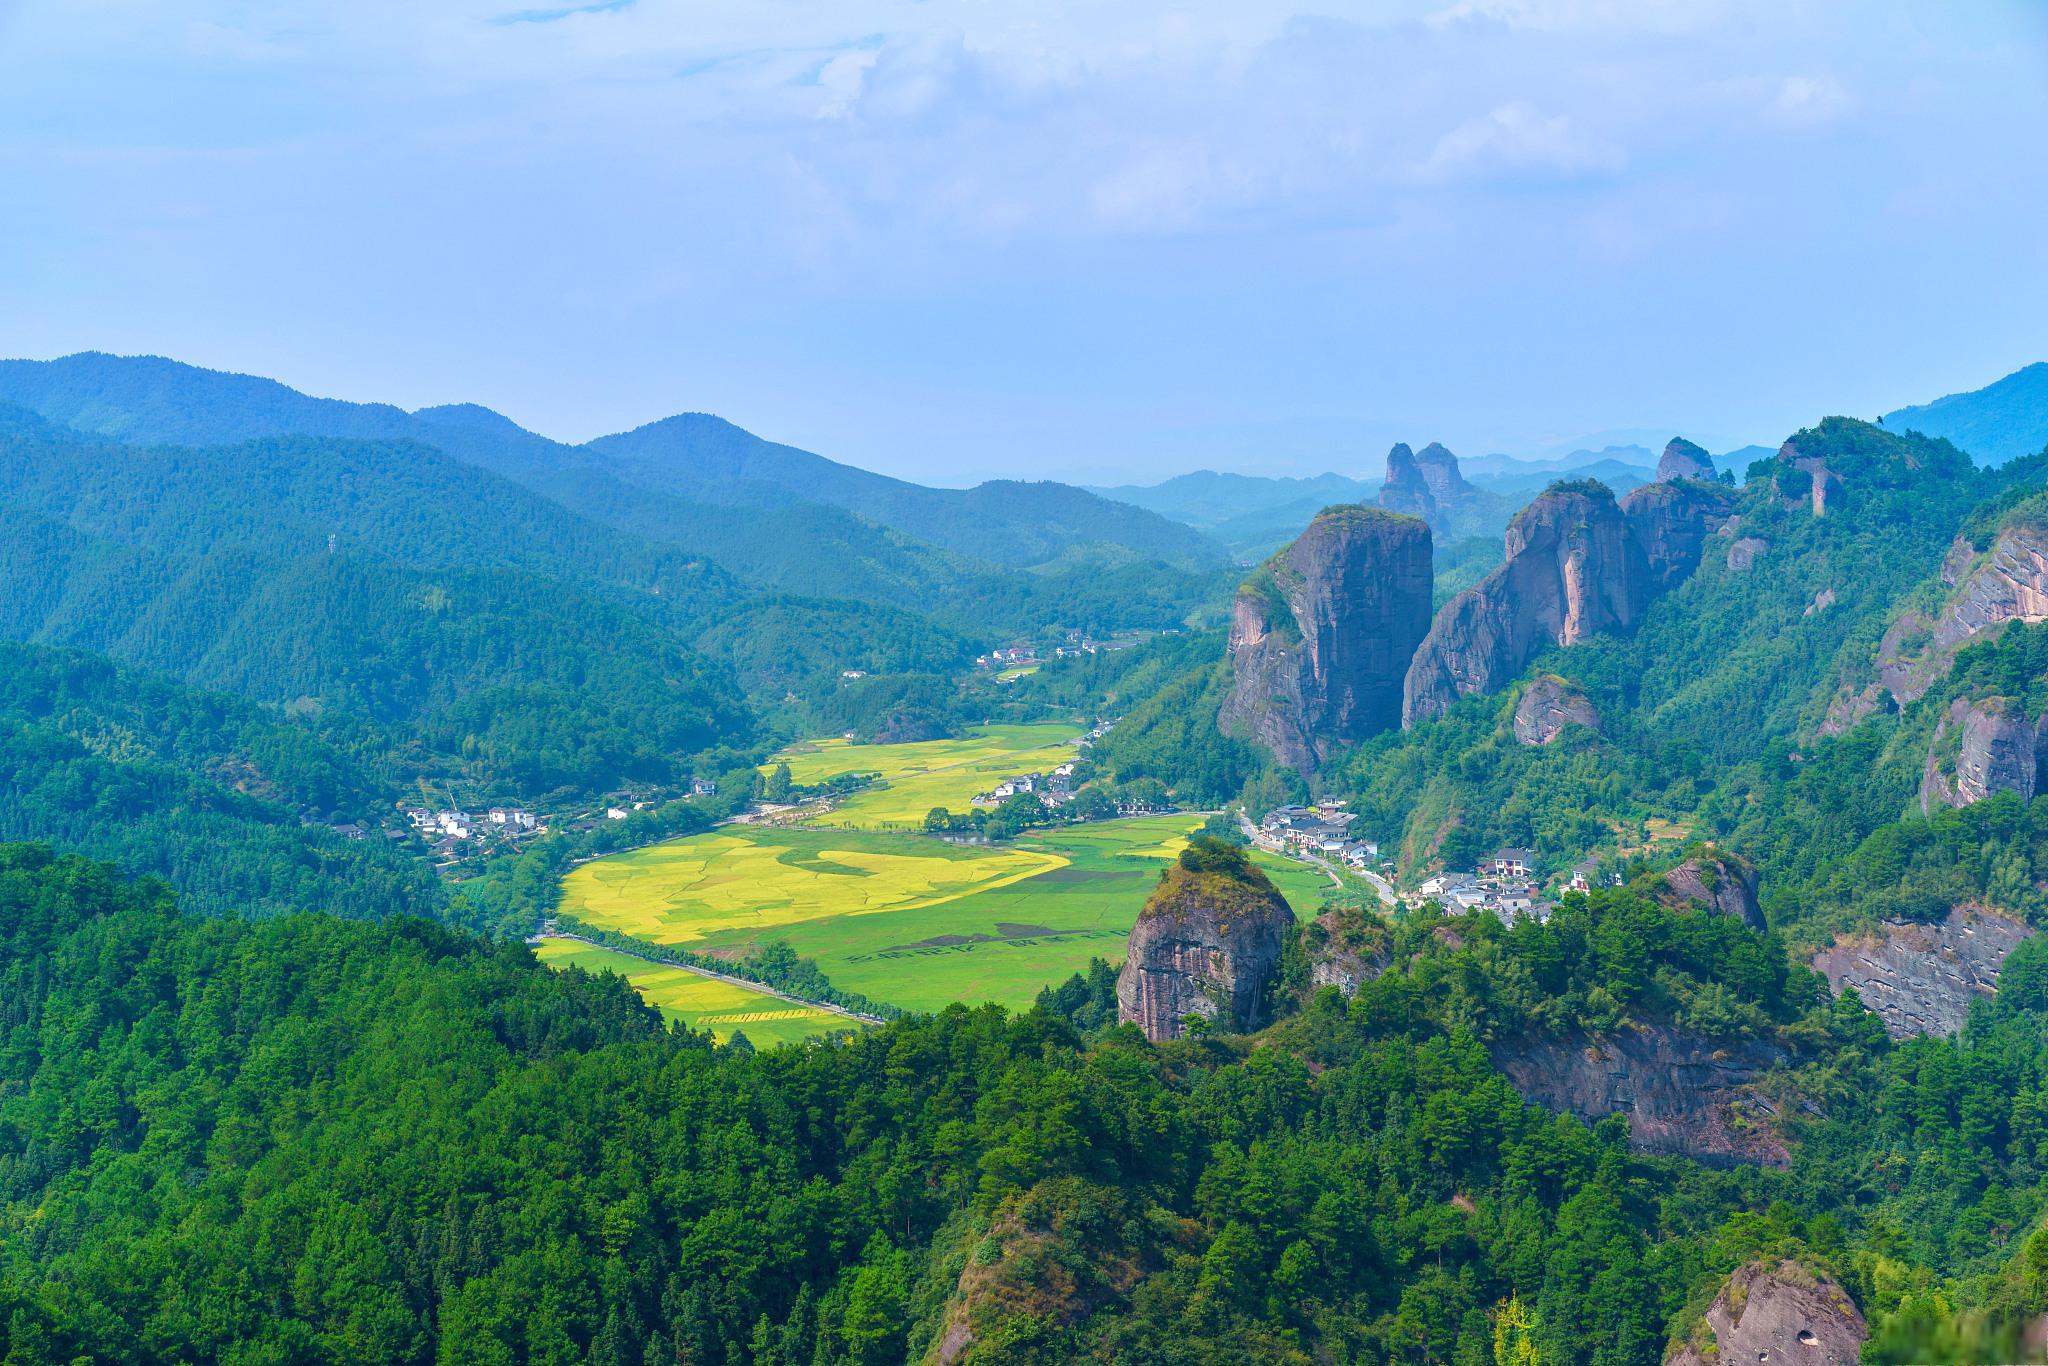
{"x":694,"y":459}
{"x":382,"y":580}
{"x":2000,"y":422}
{"x":314,"y":1140}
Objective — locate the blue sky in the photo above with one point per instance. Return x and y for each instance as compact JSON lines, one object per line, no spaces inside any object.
{"x":1098,"y":241}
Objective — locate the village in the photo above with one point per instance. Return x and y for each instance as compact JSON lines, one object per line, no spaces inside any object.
{"x":1506,"y":884}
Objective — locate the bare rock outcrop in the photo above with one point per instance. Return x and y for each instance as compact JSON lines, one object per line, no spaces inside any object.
{"x":1684,"y":460}
{"x":1039,"y":1260}
{"x":1672,"y":523}
{"x":1573,"y":568}
{"x":1684,"y":1095}
{"x":1321,"y":635}
{"x":1547,"y":706}
{"x":1980,"y":747}
{"x":1346,"y":949}
{"x":1779,"y":1311}
{"x":2009,"y":583}
{"x":1720,"y":882}
{"x":1207,"y":943}
{"x":1921,"y":978}
{"x":1744,"y":552}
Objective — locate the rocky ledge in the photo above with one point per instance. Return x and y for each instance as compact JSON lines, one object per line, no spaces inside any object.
{"x":1207,"y":943}
{"x":1981,"y":747}
{"x":1346,"y":949}
{"x":1719,"y":882}
{"x":1684,"y":1095}
{"x":1778,"y":1311}
{"x":1547,"y":706}
{"x":1920,"y":978}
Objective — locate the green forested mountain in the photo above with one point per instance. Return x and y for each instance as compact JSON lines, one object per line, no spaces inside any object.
{"x":382,"y":580}
{"x":283,"y":1117}
{"x":230,"y":803}
{"x":330,"y":1142}
{"x":785,"y":519}
{"x":2000,"y":422}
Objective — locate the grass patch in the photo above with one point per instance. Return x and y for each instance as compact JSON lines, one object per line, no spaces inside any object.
{"x":702,"y":1003}
{"x":927,"y":923}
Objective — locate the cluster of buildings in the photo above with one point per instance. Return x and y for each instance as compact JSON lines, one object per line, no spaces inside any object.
{"x":448,"y":830}
{"x":1321,"y":831}
{"x":1504,"y":884}
{"x":1054,"y":788}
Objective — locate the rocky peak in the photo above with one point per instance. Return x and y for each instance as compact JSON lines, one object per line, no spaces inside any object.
{"x":1547,"y":706}
{"x":1321,"y":634}
{"x":1207,"y":943}
{"x":1921,"y":978}
{"x":1428,"y":484}
{"x":1440,"y":471}
{"x":1778,"y":1311}
{"x":1406,"y":489}
{"x":1720,"y":882}
{"x":1981,"y":747}
{"x":1685,"y":1095}
{"x":1672,"y":523}
{"x":1683,"y":460}
{"x":1573,"y":568}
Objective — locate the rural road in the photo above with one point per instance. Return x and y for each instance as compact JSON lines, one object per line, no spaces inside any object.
{"x":1379,"y":884}
{"x":761,"y":987}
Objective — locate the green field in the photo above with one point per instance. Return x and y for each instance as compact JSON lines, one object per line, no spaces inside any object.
{"x":695,"y":1000}
{"x":917,"y":776}
{"x":906,"y":919}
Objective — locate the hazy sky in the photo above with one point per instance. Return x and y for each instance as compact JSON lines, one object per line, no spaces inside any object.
{"x":1024,"y":237}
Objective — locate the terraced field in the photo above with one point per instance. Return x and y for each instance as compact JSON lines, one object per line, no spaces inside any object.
{"x":907,"y":919}
{"x":698,"y":1001}
{"x":917,"y":776}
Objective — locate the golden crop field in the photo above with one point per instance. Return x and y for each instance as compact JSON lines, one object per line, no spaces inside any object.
{"x":702,"y":1003}
{"x":750,"y":878}
{"x":906,"y":919}
{"x":919,"y":775}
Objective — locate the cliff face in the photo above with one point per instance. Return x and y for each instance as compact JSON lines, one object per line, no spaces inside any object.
{"x":1346,"y":949}
{"x":1672,"y":523}
{"x":1718,"y":882}
{"x":1321,"y":636}
{"x":1779,"y":1312}
{"x":1683,"y":460}
{"x":1547,"y":706}
{"x":1921,"y":979}
{"x":1428,"y":484}
{"x":1980,"y":747}
{"x":1683,"y":1094}
{"x":1573,"y":568}
{"x":1206,"y":944}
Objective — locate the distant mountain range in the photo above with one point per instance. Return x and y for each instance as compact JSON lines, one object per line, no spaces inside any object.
{"x":1252,"y":514}
{"x":653,"y":480}
{"x":2000,"y":422}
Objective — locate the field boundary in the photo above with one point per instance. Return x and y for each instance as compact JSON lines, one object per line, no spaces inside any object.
{"x":761,"y":987}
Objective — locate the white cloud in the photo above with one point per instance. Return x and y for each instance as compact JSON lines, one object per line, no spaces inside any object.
{"x":1517,"y":140}
{"x":1809,"y":100}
